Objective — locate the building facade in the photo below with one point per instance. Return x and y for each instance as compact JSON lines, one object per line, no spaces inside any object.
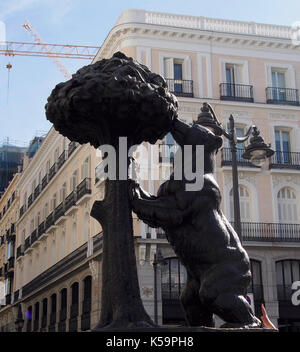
{"x":249,"y":70}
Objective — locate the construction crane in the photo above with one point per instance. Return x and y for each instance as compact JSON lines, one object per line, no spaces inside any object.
{"x":53,"y":51}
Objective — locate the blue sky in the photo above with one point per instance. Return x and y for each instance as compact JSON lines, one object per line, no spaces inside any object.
{"x":87,"y":22}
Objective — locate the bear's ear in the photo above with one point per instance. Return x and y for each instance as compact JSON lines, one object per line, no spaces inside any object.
{"x":218,"y":141}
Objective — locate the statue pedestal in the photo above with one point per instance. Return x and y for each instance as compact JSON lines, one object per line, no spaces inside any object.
{"x":184,"y":329}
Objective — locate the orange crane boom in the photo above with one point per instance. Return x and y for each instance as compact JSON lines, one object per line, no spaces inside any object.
{"x":55,"y":52}
{"x":63,"y":51}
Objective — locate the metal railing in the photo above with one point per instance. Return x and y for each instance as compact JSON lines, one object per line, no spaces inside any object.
{"x":61,"y":160}
{"x":181,"y":87}
{"x":226,"y":158}
{"x":83,"y":188}
{"x":27,"y":243}
{"x":270,"y":232}
{"x":236,"y":92}
{"x":20,"y":251}
{"x":285,"y":160}
{"x":71,"y":148}
{"x":276,"y":95}
{"x":52,"y":172}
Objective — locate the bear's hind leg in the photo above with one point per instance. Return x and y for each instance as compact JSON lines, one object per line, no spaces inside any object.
{"x":196,"y":313}
{"x":235,"y":311}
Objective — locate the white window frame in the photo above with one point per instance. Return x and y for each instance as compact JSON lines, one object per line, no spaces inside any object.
{"x":244,"y":77}
{"x":290,"y":75}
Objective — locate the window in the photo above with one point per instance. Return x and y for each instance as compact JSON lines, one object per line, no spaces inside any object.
{"x":177,"y":72}
{"x":54,"y":201}
{"x":74,"y":181}
{"x":287,"y":271}
{"x":244,"y":204}
{"x":256,"y":286}
{"x":85,"y":169}
{"x":63,"y":192}
{"x":287,"y":205}
{"x":282,"y":144}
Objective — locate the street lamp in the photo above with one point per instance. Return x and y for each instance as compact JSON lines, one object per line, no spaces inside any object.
{"x":20,"y":321}
{"x":257,"y":151}
{"x":158,"y":259}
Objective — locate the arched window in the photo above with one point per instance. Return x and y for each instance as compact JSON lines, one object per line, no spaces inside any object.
{"x":287,"y":205}
{"x":52,"y":312}
{"x":74,"y":307}
{"x":245,"y":201}
{"x":173,"y":279}
{"x":287,"y":271}
{"x":63,"y":310}
{"x":86,"y":303}
{"x":44,"y":313}
{"x":36,"y":316}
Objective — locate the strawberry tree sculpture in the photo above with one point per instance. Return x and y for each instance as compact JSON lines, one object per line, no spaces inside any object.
{"x":113,"y":98}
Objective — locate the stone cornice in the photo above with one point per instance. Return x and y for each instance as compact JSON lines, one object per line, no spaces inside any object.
{"x":156,"y":31}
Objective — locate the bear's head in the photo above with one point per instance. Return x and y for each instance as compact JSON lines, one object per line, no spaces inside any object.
{"x":196,"y":135}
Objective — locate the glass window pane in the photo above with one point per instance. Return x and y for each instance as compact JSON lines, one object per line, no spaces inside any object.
{"x":178,"y":71}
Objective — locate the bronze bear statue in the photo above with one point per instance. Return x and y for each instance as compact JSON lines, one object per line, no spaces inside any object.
{"x":218,"y":267}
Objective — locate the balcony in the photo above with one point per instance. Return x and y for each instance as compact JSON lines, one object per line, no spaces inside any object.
{"x":270,"y":232}
{"x":61,"y":160}
{"x":49,"y":223}
{"x":52,"y":172}
{"x":59,"y":213}
{"x":37,"y":191}
{"x":70,"y":203}
{"x":236,"y":92}
{"x":181,"y":87}
{"x":226,"y":158}
{"x":71,"y":148}
{"x":285,"y":96}
{"x":83,"y":190}
{"x":27,"y":243}
{"x":33,"y":237}
{"x":22,"y":210}
{"x":30,"y":200}
{"x":41,"y":229}
{"x":20,"y":251}
{"x":44,"y":181}
{"x":285,"y":160}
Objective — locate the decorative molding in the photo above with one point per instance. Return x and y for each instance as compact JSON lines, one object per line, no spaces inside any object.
{"x":285,"y":179}
{"x":282,"y":116}
{"x":236,"y":113}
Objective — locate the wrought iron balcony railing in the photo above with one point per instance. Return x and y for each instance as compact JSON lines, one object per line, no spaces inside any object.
{"x":285,"y":160}
{"x":27,"y":243}
{"x":20,"y":251}
{"x":71,"y":148}
{"x":30,"y":200}
{"x":270,"y":232}
{"x":33,"y":236}
{"x":226,"y":158}
{"x":236,"y":92}
{"x":61,"y":160}
{"x":70,"y":200}
{"x":286,"y":96}
{"x":181,"y":87}
{"x":22,"y":210}
{"x":44,"y":181}
{"x":83,"y":188}
{"x":37,"y":191}
{"x":52,"y":172}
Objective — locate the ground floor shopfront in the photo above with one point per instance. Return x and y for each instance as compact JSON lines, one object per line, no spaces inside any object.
{"x":67,"y":296}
